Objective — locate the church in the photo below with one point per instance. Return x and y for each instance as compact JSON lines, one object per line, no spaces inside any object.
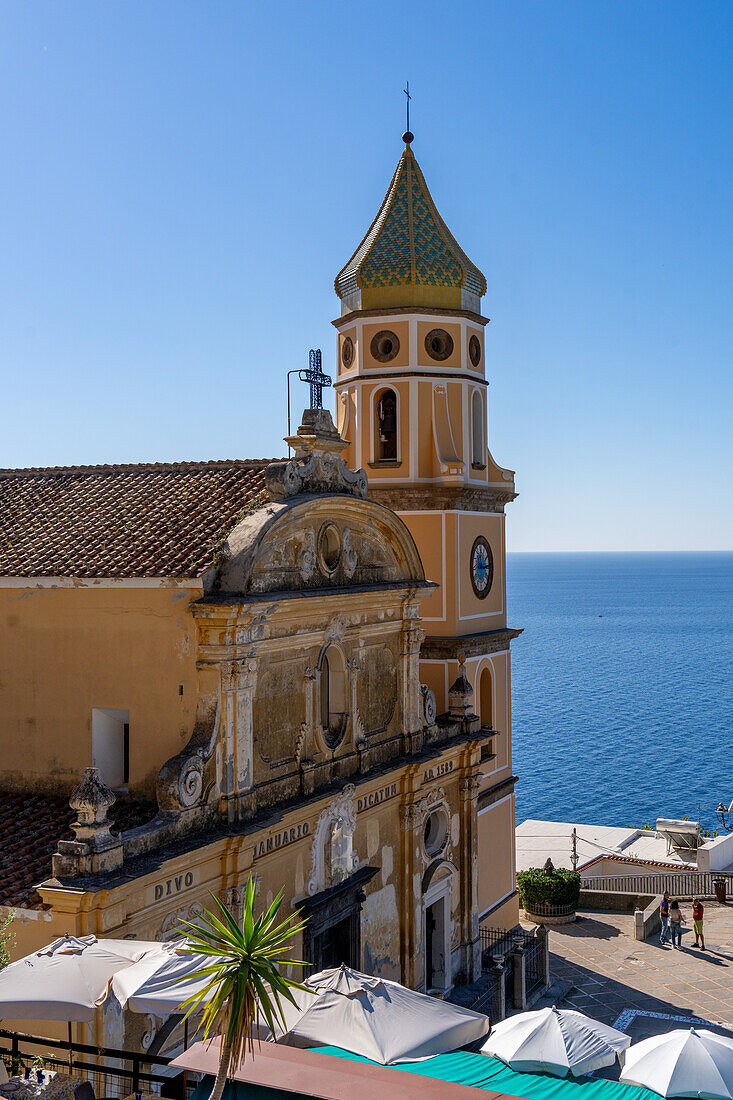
{"x":295,"y":669}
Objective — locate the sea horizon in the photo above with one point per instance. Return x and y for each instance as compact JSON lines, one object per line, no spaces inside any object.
{"x":622,"y":692}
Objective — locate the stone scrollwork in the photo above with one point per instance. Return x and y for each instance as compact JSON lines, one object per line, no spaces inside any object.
{"x":307,"y":557}
{"x":335,"y":629}
{"x":348,"y":553}
{"x":191,"y":781}
{"x":429,"y":705}
{"x":151,"y":1026}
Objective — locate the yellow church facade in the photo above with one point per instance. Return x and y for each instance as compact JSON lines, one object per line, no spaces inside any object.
{"x":297,"y":669}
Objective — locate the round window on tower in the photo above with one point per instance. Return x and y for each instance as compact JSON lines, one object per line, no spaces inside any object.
{"x":347,"y":352}
{"x":439,"y":344}
{"x":474,"y":351}
{"x":435,"y":833}
{"x":384,"y":346}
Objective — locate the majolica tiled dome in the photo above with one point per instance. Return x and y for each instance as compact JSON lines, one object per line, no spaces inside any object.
{"x":409,"y":257}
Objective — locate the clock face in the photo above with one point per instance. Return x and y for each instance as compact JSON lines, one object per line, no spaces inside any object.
{"x":482,"y":567}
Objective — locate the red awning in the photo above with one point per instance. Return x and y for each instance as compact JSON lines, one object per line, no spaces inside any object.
{"x":305,"y":1072}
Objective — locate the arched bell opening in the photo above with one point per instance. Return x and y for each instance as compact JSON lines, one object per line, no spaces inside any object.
{"x":386,"y":425}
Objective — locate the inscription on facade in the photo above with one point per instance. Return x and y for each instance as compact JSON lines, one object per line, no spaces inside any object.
{"x":437,"y":771}
{"x":279,"y":840}
{"x":174,"y":885}
{"x":375,"y":797}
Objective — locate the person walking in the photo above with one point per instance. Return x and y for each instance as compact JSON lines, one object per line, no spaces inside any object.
{"x":664,"y":914}
{"x":676,"y":920}
{"x":697,"y":914}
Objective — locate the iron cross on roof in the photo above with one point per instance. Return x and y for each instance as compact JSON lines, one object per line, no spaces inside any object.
{"x":315,"y":376}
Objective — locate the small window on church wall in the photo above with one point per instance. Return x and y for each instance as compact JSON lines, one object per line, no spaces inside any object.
{"x":332,"y":692}
{"x":386,"y":449}
{"x":111,"y":745}
{"x":478,"y":456}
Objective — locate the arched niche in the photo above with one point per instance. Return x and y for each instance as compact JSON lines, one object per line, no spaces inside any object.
{"x":333,"y":695}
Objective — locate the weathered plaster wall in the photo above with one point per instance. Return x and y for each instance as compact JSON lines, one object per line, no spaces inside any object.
{"x":65,"y":651}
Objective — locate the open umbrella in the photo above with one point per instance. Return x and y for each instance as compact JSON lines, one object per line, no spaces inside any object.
{"x":67,"y":980}
{"x":380,"y":1020}
{"x":554,"y":1040}
{"x":682,"y":1063}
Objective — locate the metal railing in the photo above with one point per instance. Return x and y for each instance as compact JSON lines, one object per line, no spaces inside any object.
{"x":131,"y":1071}
{"x":683,"y":884}
{"x":532,"y":971}
{"x":544,"y":909}
{"x":500,"y":941}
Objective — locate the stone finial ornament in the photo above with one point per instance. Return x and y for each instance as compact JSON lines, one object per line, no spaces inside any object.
{"x":316,"y":466}
{"x":95,"y":849}
{"x":460,"y":695}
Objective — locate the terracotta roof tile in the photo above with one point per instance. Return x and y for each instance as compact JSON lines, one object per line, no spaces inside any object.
{"x":148,"y":520}
{"x":30,"y":825}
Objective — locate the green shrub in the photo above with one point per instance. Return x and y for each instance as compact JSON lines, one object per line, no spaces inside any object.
{"x":555,"y":887}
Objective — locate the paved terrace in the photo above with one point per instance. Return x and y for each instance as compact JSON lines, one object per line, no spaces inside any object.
{"x":612,"y":973}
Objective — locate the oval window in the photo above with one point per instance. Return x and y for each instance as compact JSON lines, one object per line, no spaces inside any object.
{"x":474,"y":351}
{"x":329,"y":547}
{"x":435,"y":833}
{"x":347,"y":351}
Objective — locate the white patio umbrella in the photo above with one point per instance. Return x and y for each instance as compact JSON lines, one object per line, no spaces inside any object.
{"x":162,"y":980}
{"x":557,"y":1041}
{"x":694,"y":1063}
{"x":380,"y":1019}
{"x":67,"y":980}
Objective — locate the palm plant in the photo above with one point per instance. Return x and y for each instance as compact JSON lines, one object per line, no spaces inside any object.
{"x":244,"y":977}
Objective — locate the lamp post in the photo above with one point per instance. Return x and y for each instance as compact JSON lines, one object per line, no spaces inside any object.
{"x":726,"y":816}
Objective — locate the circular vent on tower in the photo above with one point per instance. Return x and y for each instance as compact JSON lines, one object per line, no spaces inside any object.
{"x":439,"y":344}
{"x":474,"y":350}
{"x":347,"y":351}
{"x":384,"y":346}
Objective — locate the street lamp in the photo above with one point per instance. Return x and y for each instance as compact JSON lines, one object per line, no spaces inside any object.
{"x":726,"y":816}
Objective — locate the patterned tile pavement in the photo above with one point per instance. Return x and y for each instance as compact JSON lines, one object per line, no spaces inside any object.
{"x":612,"y":973}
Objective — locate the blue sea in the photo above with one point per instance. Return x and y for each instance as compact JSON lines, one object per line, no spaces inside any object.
{"x":622,"y":685}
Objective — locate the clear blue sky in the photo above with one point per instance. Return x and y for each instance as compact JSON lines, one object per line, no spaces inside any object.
{"x":181,"y":182}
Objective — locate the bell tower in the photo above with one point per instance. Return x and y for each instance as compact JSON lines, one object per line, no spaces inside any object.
{"x":411,"y":399}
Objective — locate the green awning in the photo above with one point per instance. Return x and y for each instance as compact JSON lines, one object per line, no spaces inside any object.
{"x":462,"y":1068}
{"x":480,"y":1071}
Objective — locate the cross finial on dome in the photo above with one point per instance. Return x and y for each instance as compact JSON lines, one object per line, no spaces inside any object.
{"x":407,"y":137}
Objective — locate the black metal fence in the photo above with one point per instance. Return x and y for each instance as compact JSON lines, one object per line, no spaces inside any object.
{"x":112,"y":1073}
{"x":532,"y":968}
{"x":499,"y":941}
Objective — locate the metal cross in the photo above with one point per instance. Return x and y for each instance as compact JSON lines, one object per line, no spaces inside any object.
{"x":315,"y":376}
{"x":407,"y":104}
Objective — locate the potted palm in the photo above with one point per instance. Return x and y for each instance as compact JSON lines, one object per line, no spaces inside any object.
{"x":245,"y":978}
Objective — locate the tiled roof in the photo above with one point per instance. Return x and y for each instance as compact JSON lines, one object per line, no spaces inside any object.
{"x":408,"y":243}
{"x":31,"y":825}
{"x":148,"y":520}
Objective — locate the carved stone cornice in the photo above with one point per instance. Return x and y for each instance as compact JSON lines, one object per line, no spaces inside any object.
{"x":460,"y":498}
{"x":437,"y":648}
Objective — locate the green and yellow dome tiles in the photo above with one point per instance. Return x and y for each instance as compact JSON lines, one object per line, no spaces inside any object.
{"x":409,"y":257}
